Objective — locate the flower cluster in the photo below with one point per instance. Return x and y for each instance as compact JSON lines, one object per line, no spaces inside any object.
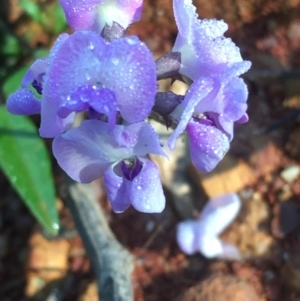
{"x":113,"y":79}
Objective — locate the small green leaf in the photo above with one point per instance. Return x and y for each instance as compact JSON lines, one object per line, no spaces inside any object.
{"x":25,"y":161}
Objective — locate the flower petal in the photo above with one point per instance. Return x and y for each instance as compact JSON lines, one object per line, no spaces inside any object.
{"x":187,"y":21}
{"x":85,"y":97}
{"x":23,"y":102}
{"x":235,"y":96}
{"x":35,"y":73}
{"x":218,"y":213}
{"x":63,"y":75}
{"x":85,"y":152}
{"x":204,"y":48}
{"x":185,"y":236}
{"x":140,"y":137}
{"x":203,"y":90}
{"x":129,"y":70}
{"x":94,"y":14}
{"x":125,"y":66}
{"x":80,"y":14}
{"x":51,"y":124}
{"x":209,"y":246}
{"x":117,"y":188}
{"x":146,"y":191}
{"x":74,"y":64}
{"x":208,"y":145}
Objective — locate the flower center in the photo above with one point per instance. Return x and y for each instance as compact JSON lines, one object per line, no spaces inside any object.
{"x":131,"y":168}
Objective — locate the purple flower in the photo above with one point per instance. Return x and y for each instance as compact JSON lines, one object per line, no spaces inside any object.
{"x":213,"y":63}
{"x":92,"y":150}
{"x":94,"y":14}
{"x":83,"y":72}
{"x":202,"y":235}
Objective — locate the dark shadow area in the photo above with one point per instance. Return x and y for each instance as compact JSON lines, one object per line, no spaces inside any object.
{"x":16,"y":226}
{"x":170,"y":286}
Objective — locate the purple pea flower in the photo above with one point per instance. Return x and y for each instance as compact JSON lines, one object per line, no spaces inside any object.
{"x":83,"y":72}
{"x":202,"y":235}
{"x":93,"y":150}
{"x":217,"y":97}
{"x":95,"y":14}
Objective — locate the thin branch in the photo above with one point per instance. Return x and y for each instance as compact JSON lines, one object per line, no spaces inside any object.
{"x":111,"y":262}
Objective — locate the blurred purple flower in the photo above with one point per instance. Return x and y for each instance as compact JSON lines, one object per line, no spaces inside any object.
{"x":213,"y":63}
{"x":202,"y":235}
{"x":83,"y":72}
{"x":92,"y":150}
{"x":94,"y":14}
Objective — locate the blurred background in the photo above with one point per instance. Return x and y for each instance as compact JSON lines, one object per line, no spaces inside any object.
{"x":263,"y":166}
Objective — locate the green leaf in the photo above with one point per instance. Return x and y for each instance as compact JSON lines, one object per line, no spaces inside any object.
{"x":53,"y":19}
{"x":25,"y":161}
{"x":32,"y":9}
{"x":14,"y":81}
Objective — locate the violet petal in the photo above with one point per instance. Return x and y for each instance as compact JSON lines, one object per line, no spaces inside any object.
{"x":208,"y":145}
{"x":80,"y":14}
{"x":34,"y":73}
{"x":185,"y":236}
{"x":219,"y":212}
{"x":104,"y":101}
{"x":94,"y":14}
{"x":63,"y":76}
{"x":209,"y":246}
{"x":204,"y":48}
{"x":140,"y":138}
{"x":51,"y":124}
{"x":131,"y":74}
{"x":124,"y":66}
{"x":235,"y":96}
{"x":202,"y":235}
{"x":117,"y":188}
{"x":146,"y":191}
{"x":85,"y":152}
{"x":75,"y":64}
{"x":203,"y":90}
{"x":23,"y":102}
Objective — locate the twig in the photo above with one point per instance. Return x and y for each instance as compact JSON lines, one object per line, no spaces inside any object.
{"x":111,"y":262}
{"x":278,"y":123}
